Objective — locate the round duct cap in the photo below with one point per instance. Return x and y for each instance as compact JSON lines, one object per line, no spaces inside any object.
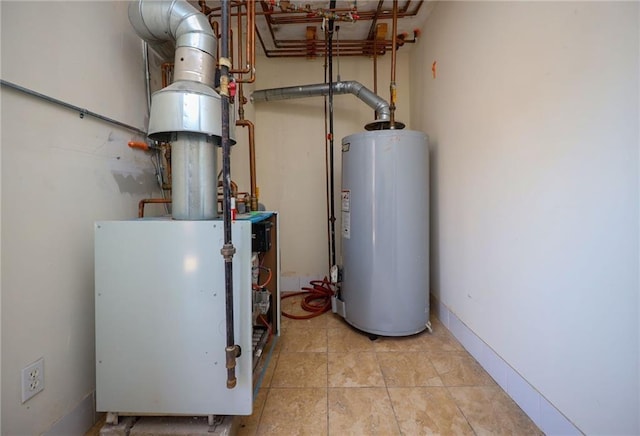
{"x":384,"y":125}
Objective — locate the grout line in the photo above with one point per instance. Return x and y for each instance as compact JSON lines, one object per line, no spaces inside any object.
{"x":386,"y":388}
{"x":461,"y":411}
{"x":264,"y":406}
{"x":268,"y":393}
{"x":447,"y":387}
{"x":327,"y":383}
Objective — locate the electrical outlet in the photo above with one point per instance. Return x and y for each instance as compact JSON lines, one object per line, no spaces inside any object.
{"x":32,"y":379}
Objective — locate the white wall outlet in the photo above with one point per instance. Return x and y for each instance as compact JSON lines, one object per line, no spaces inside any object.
{"x":32,"y":379}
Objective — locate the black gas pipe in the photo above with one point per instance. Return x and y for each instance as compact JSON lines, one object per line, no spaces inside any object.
{"x":232,"y":350}
{"x":332,"y":219}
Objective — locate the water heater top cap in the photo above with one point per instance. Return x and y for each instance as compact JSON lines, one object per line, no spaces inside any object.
{"x":384,"y":125}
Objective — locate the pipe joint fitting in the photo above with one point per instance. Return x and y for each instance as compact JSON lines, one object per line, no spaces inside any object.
{"x":227,"y":251}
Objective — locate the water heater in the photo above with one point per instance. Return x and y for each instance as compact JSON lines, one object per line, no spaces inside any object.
{"x":385,"y":232}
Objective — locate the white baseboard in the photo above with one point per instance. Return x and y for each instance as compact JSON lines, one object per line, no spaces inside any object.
{"x":78,"y":421}
{"x":549,"y":419}
{"x":296,"y":283}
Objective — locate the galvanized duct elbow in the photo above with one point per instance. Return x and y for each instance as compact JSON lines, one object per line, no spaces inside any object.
{"x":160,"y":21}
{"x":372,"y":100}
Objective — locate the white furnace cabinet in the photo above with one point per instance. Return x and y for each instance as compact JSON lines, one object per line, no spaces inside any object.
{"x":160,"y":318}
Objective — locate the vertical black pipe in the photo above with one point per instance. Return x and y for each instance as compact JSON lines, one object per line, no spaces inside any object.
{"x":332,"y":5}
{"x":228,"y":249}
{"x":326,"y":161}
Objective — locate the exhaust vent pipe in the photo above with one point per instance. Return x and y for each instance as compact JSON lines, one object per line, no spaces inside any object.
{"x":367,"y":96}
{"x":188,"y":112}
{"x":160,"y":21}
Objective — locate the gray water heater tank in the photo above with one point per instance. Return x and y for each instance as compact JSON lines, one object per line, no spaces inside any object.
{"x":385,"y":232}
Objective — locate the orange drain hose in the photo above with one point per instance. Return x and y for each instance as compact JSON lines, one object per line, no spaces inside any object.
{"x":317,"y":299}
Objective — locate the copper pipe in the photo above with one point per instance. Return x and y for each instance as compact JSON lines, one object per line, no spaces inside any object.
{"x":216,"y":32}
{"x":150,"y":201}
{"x":301,"y":17}
{"x":165,"y":69}
{"x":392,"y":85}
{"x":234,"y":187}
{"x":241,"y":99}
{"x":319,"y":48}
{"x":277,"y":54}
{"x":251,"y":42}
{"x":240,"y":60}
{"x":252,"y":161}
{"x":253,"y":199}
{"x":204,"y":8}
{"x":363,"y":16}
{"x":352,"y":42}
{"x":272,"y":20}
{"x":375,"y":67}
{"x":231,"y":46}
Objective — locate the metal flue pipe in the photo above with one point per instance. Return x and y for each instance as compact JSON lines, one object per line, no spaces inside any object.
{"x":158,"y":22}
{"x":184,"y":113}
{"x":376,"y":102}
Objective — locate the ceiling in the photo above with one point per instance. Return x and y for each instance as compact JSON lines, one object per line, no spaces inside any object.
{"x":300,"y":28}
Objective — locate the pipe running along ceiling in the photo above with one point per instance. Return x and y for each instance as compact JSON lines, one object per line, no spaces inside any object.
{"x":291,"y":28}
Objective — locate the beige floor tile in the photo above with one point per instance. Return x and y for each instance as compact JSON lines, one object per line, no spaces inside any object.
{"x":303,"y":340}
{"x":401,"y":343}
{"x":491,"y":412}
{"x":408,"y":369}
{"x":318,"y":322}
{"x":440,"y":340}
{"x":292,"y":306}
{"x":278,"y":346}
{"x":435,"y":322}
{"x":336,"y":321}
{"x":361,"y":411}
{"x":95,"y":430}
{"x":341,"y":340}
{"x":294,"y":412}
{"x":427,"y":411}
{"x":354,"y":370}
{"x":269,"y":371}
{"x":458,"y":368}
{"x":248,"y":425}
{"x":300,"y":370}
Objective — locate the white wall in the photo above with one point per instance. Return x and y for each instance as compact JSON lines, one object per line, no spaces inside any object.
{"x":59,"y":174}
{"x":291,"y":149}
{"x":533,"y":120}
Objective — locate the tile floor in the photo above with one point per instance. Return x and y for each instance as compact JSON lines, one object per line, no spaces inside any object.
{"x":325,"y":378}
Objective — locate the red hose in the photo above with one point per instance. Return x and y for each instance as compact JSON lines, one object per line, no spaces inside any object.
{"x":317,"y":300}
